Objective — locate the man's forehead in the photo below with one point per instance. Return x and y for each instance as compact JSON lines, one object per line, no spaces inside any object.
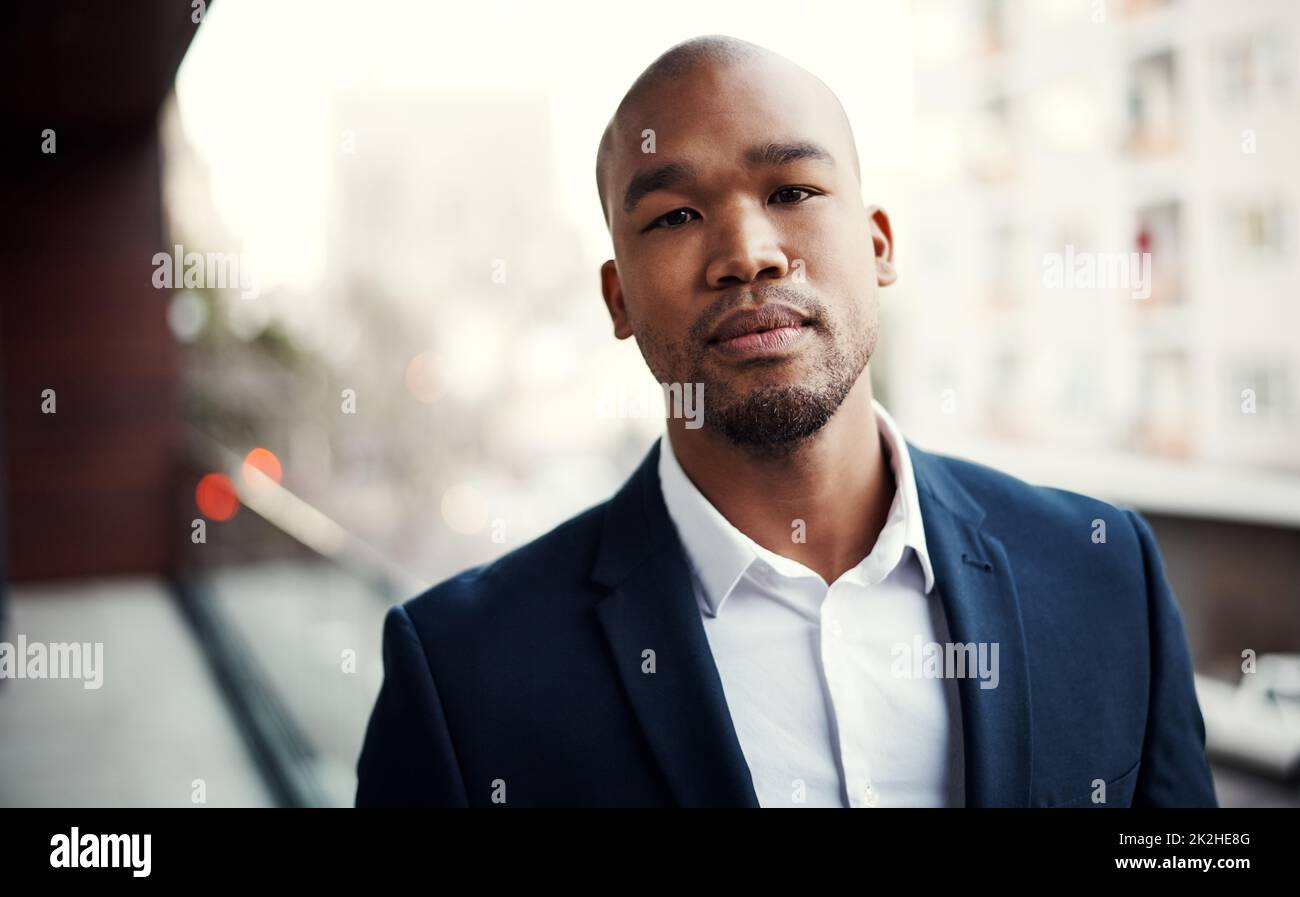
{"x":722,"y":113}
{"x":687,"y":147}
{"x":720,"y":98}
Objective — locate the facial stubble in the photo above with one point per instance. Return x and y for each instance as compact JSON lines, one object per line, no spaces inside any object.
{"x":776,"y":418}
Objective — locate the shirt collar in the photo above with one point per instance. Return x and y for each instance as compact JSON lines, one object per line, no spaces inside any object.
{"x":720,"y":554}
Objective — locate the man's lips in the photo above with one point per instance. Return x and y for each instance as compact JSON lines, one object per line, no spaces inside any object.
{"x":756,"y":320}
{"x":764,"y":330}
{"x":765,"y":342}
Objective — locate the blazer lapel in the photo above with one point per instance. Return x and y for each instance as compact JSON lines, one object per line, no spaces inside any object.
{"x":974,"y":580}
{"x":652,"y":623}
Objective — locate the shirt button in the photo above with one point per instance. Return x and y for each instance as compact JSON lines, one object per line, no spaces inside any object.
{"x":870,"y":798}
{"x":835,"y":628}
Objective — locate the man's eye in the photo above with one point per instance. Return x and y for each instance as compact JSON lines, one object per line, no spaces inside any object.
{"x":675,"y":218}
{"x":791,"y":195}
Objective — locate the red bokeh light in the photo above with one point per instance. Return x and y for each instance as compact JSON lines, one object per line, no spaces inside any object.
{"x":263,"y":460}
{"x":216,"y":497}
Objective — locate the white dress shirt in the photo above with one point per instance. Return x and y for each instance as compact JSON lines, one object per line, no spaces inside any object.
{"x":822,"y":715}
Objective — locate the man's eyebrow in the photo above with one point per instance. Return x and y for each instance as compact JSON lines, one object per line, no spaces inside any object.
{"x":665,"y":177}
{"x":785,"y":153}
{"x":674,"y":174}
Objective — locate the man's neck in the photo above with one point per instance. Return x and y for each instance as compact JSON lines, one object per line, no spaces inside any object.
{"x":834,"y":491}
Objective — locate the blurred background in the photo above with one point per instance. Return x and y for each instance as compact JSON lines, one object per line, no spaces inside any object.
{"x":301,"y":315}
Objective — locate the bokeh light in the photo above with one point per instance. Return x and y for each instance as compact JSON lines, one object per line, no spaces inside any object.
{"x":216,"y":497}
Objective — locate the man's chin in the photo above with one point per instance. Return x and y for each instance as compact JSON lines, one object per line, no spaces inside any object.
{"x":753,"y":375}
{"x":771,"y":419}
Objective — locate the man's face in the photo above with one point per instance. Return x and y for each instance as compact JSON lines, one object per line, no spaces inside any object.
{"x":745,"y":259}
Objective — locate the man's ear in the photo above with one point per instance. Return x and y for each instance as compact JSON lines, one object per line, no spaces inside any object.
{"x":612,"y":289}
{"x":882,"y":243}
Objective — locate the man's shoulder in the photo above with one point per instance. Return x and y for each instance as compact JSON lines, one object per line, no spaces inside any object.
{"x":1060,"y":545}
{"x":1019,"y":510}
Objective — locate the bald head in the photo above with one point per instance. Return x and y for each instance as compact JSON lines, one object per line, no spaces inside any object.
{"x":709,"y":57}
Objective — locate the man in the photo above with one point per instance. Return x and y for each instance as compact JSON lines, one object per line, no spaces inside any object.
{"x":788,"y":605}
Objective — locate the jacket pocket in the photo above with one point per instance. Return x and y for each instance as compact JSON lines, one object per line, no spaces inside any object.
{"x":1119,"y":792}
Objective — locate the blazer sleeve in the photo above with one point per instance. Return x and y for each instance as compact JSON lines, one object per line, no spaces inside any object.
{"x":407,"y":759}
{"x":1174,"y":771}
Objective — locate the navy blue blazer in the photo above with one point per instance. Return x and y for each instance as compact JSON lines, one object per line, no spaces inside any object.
{"x":520,"y":683}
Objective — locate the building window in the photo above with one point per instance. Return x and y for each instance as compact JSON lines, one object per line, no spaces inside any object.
{"x":1164,"y":426}
{"x":1158,"y":233}
{"x":1262,"y":389}
{"x":1153,"y":104}
{"x":1259,"y":228}
{"x":1253,"y":68}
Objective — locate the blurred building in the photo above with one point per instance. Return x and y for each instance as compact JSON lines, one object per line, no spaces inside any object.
{"x":1058,"y":143}
{"x":1052,"y":133}
{"x":458,"y":309}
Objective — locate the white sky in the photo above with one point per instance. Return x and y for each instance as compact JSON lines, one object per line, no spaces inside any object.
{"x":256,"y":88}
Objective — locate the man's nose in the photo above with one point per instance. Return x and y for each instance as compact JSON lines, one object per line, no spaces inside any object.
{"x":746,"y":249}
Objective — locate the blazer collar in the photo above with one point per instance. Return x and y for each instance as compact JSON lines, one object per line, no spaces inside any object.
{"x":652,"y":623}
{"x":720,"y":554}
{"x":974,"y":578}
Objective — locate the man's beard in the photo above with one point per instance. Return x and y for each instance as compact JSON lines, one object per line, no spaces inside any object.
{"x":773,"y":420}
{"x":777,"y":419}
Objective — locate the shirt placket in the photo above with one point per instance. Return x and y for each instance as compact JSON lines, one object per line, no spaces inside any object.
{"x":836,"y":644}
